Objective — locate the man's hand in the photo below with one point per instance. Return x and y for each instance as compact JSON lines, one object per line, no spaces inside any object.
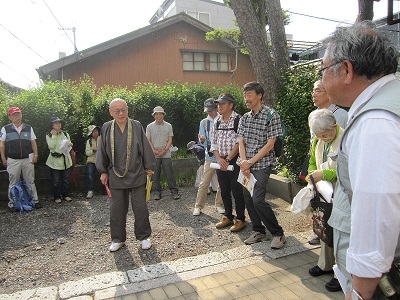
{"x":104,"y":178}
{"x":223,"y":163}
{"x":149,"y":172}
{"x":202,"y":138}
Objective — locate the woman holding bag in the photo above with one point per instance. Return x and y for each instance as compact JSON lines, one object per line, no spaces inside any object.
{"x":322,"y":166}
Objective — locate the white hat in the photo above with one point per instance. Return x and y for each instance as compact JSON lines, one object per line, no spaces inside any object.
{"x":158,"y":109}
{"x":91,"y":128}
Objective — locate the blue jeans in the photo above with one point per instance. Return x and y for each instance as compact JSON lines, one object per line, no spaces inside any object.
{"x":260,"y":211}
{"x":90,"y":170}
{"x":166,"y":165}
{"x":60,"y":182}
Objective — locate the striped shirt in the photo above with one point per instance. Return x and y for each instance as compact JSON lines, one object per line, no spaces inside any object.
{"x":256,"y":132}
{"x":224,"y":138}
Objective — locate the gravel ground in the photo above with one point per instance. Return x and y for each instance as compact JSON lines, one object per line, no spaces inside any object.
{"x":69,"y":241}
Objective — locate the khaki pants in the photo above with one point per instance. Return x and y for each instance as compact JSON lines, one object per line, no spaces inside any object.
{"x":201,"y":198}
{"x":326,"y":258}
{"x":16,"y":167}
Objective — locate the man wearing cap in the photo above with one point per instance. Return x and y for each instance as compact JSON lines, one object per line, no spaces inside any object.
{"x":159,"y":133}
{"x":19,"y":153}
{"x":209,"y":174}
{"x":225,"y":146}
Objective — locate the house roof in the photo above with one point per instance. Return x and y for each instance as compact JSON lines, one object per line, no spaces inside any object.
{"x":51,"y":69}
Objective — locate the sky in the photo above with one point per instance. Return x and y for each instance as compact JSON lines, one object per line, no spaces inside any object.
{"x":32,"y":35}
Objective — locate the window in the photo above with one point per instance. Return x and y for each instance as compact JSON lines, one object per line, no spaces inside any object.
{"x":203,"y":61}
{"x":203,"y":17}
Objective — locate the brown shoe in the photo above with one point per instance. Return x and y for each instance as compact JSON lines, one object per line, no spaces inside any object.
{"x":238,"y":226}
{"x":224,"y":222}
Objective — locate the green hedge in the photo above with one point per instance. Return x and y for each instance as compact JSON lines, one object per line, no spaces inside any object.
{"x":82,"y":103}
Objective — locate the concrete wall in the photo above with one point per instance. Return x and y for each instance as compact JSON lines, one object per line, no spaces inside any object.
{"x":277,"y":185}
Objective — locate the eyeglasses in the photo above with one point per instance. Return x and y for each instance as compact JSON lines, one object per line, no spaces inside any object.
{"x":118,"y":111}
{"x":317,"y":92}
{"x":321,"y":71}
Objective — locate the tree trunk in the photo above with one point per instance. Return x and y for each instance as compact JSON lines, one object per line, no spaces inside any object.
{"x":255,"y":38}
{"x":365,"y":10}
{"x":278,"y":36}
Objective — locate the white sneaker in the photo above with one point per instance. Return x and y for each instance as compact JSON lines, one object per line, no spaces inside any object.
{"x":146,"y":244}
{"x":68,"y":199}
{"x":89,"y":195}
{"x":58,"y":200}
{"x":196,"y":211}
{"x":116,"y":246}
{"x":221,"y":210}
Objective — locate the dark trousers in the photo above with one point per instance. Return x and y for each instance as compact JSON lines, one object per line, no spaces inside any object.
{"x":166,"y":165}
{"x":228,"y":183}
{"x":259,"y":210}
{"x":60,"y":182}
{"x":90,"y":170}
{"x":119,"y":205}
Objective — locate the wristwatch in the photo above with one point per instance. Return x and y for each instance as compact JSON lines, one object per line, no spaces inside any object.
{"x":250,"y":162}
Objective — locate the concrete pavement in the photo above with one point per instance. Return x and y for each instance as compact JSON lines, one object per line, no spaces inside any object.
{"x":246,"y":272}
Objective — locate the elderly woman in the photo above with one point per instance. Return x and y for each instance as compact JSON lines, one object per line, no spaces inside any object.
{"x":322,"y":166}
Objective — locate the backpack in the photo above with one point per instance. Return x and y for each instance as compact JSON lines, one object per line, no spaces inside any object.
{"x":278,"y":146}
{"x":22,"y":196}
{"x":235,"y":124}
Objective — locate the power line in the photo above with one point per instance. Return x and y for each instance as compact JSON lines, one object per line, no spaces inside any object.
{"x":22,"y":75}
{"x":24,"y":43}
{"x":320,"y":18}
{"x":62,"y":27}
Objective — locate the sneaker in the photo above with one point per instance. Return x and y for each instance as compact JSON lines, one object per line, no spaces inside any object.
{"x":58,"y":200}
{"x":224,"y":222}
{"x":176,"y":196}
{"x":116,"y":246}
{"x":157,"y":197}
{"x":255,"y":237}
{"x":278,"y":242}
{"x":196,"y":211}
{"x":89,"y":195}
{"x":238,"y":226}
{"x":67,"y":199}
{"x":38,"y":205}
{"x":220,"y":209}
{"x":146,"y":244}
{"x":333,"y":285}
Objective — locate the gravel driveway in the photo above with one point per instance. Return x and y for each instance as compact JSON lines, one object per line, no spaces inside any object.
{"x":70,"y":241}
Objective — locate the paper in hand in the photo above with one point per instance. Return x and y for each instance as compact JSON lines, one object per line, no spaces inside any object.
{"x":149,"y":184}
{"x":248,"y":183}
{"x":218,"y":167}
{"x":65,"y":147}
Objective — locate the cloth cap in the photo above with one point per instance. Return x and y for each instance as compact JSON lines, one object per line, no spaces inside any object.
{"x":158,"y":109}
{"x":224,"y":99}
{"x":190,"y":145}
{"x":13,"y":110}
{"x":209,"y":105}
{"x":91,"y":128}
{"x":55,"y":119}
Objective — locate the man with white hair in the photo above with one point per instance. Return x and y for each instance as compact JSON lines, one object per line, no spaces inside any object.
{"x":358,"y":72}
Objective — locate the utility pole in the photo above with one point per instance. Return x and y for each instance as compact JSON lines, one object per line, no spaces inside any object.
{"x":73,"y":32}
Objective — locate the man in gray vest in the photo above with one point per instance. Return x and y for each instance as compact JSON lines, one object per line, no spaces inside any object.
{"x":358,"y":72}
{"x":19,"y":153}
